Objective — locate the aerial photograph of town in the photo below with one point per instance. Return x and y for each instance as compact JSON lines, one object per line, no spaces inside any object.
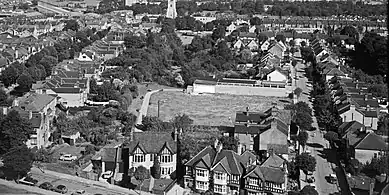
{"x":194,"y":97}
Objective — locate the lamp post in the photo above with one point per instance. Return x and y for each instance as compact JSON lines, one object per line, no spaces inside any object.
{"x":159,"y":105}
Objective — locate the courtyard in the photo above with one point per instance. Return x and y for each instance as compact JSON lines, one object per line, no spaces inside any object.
{"x":208,"y":109}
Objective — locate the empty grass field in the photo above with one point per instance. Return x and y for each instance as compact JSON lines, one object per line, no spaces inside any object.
{"x":213,"y":110}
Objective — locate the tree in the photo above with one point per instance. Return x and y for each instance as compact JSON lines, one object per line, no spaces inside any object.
{"x":141,"y":174}
{"x":306,"y":162}
{"x":281,"y":37}
{"x":377,"y":166}
{"x":14,"y":131}
{"x":302,"y":138}
{"x":219,"y":32}
{"x":298,"y":91}
{"x":331,"y":136}
{"x":229,"y":143}
{"x":9,"y":76}
{"x":156,"y":169}
{"x":48,"y":62}
{"x":350,"y":31}
{"x":181,"y":121}
{"x":133,"y":41}
{"x":71,"y":25}
{"x":255,"y":21}
{"x":153,"y":123}
{"x":145,"y":19}
{"x":308,"y":190}
{"x":18,"y":162}
{"x":25,"y":81}
{"x":3,"y":98}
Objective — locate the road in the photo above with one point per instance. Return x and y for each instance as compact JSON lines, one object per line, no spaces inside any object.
{"x":74,"y":183}
{"x":316,"y":143}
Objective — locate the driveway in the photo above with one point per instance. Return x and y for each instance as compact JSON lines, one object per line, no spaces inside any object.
{"x":316,"y":143}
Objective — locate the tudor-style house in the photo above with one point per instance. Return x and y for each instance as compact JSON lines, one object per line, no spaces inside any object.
{"x":144,"y":147}
{"x":226,"y":172}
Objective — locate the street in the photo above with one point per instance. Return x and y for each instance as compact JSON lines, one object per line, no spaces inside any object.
{"x":74,"y":183}
{"x":316,"y":143}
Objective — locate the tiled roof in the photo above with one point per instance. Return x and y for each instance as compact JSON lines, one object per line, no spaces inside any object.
{"x":34,"y":101}
{"x":253,"y":117}
{"x":152,"y":142}
{"x":367,"y":113}
{"x":250,"y":129}
{"x":273,"y":161}
{"x":372,"y":141}
{"x":274,"y":175}
{"x":350,"y":127}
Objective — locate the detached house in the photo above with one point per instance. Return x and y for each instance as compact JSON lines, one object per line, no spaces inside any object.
{"x":364,"y":145}
{"x":39,"y":109}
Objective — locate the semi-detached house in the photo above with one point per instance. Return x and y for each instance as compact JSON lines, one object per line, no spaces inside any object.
{"x":226,"y":172}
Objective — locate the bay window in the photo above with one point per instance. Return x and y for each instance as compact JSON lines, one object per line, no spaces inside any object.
{"x":220,"y":176}
{"x":201,"y":173}
{"x":253,"y":182}
{"x":201,"y":185}
{"x":219,"y":188}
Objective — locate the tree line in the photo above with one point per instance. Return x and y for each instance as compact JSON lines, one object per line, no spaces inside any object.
{"x":278,"y":8}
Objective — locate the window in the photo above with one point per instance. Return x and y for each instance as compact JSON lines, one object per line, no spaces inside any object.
{"x":138,"y":158}
{"x":34,"y":141}
{"x":166,"y":158}
{"x":166,"y":170}
{"x":151,"y":157}
{"x":220,"y":176}
{"x":201,"y":185}
{"x":219,"y":188}
{"x":253,"y":182}
{"x":200,"y":173}
{"x":251,"y":193}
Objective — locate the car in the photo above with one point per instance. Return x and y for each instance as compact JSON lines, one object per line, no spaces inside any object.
{"x":107,"y":174}
{"x":46,"y":186}
{"x":78,"y":192}
{"x":311,"y":180}
{"x":60,"y":189}
{"x":28,"y":180}
{"x":308,"y":151}
{"x":68,"y":157}
{"x":332,"y":178}
{"x":313,"y":185}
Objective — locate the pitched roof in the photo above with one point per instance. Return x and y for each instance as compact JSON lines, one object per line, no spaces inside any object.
{"x":350,"y":127}
{"x":152,"y":142}
{"x":275,"y":175}
{"x":34,"y":101}
{"x":273,"y":161}
{"x":372,"y":141}
{"x":253,"y":117}
{"x":250,"y":129}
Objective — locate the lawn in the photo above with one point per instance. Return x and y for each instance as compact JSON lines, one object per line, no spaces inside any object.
{"x":207,"y":109}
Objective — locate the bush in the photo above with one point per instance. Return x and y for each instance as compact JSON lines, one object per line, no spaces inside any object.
{"x":43,"y":155}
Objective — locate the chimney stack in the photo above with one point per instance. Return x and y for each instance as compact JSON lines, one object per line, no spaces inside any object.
{"x":132,"y":134}
{"x":247,"y":111}
{"x":30,"y":114}
{"x":219,"y":147}
{"x":175,"y":135}
{"x":215,"y":144}
{"x":365,"y":97}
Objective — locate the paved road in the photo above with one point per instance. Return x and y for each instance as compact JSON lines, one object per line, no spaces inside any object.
{"x":74,"y":183}
{"x":316,"y":143}
{"x":10,"y":187}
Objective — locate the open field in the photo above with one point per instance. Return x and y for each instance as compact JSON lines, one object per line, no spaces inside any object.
{"x":213,"y":110}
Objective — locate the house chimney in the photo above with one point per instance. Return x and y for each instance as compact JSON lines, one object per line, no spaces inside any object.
{"x":30,"y":114}
{"x":365,"y":97}
{"x":175,"y":135}
{"x":219,"y":147}
{"x":367,"y":107}
{"x":132,"y":134}
{"x":247,"y":110}
{"x":215,"y":143}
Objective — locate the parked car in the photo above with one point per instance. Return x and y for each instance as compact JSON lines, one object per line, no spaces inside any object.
{"x":78,"y":192}
{"x":28,"y":180}
{"x":68,"y":157}
{"x":311,"y":180}
{"x":46,"y":186}
{"x":313,"y":185}
{"x":60,"y":189}
{"x":332,"y":178}
{"x":107,"y":174}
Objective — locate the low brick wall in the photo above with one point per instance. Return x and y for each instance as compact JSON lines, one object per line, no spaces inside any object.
{"x":245,"y":90}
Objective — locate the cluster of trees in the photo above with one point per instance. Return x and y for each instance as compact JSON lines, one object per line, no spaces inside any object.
{"x":302,"y":115}
{"x":371,"y":54}
{"x":322,"y":8}
{"x":16,"y":158}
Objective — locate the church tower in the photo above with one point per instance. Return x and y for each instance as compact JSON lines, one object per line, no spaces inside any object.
{"x":171,"y":9}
